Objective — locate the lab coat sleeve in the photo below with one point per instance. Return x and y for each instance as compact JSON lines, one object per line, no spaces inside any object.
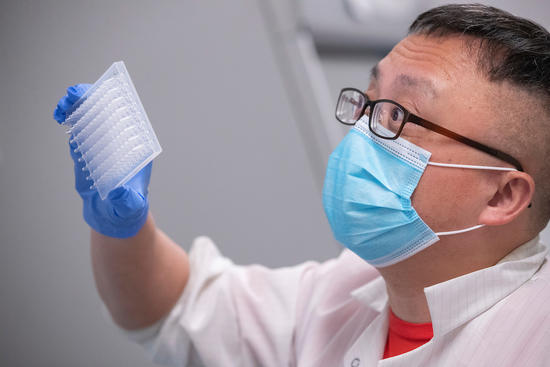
{"x":228,"y":315}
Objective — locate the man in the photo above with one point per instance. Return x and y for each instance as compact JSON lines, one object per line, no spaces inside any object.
{"x":439,"y":192}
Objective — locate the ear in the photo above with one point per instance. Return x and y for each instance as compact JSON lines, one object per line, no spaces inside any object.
{"x":513,"y":195}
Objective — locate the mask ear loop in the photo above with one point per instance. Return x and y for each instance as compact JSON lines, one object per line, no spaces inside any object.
{"x":459,"y":231}
{"x":472,"y":167}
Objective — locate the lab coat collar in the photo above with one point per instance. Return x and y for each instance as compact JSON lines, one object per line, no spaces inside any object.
{"x":368,"y":347}
{"x":373,"y":294}
{"x":455,"y":302}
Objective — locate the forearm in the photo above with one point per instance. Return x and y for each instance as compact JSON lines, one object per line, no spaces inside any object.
{"x":139,"y":278}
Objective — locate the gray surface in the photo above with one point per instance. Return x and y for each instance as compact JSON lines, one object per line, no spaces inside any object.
{"x":233,"y":167}
{"x":373,"y":25}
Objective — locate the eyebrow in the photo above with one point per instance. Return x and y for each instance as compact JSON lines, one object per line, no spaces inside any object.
{"x":407,"y":81}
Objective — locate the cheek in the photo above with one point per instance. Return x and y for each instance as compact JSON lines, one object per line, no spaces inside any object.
{"x":443,"y":198}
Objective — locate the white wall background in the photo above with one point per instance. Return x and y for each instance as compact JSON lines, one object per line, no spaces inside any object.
{"x":234,"y":165}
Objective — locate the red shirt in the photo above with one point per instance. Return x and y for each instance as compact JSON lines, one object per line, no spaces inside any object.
{"x":405,"y":336}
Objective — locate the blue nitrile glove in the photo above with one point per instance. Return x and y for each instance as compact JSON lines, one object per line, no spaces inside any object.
{"x":124,"y":211}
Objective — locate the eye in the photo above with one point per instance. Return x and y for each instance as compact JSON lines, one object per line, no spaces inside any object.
{"x":396,"y":114}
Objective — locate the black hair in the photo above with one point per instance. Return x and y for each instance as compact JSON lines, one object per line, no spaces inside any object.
{"x":510,"y":48}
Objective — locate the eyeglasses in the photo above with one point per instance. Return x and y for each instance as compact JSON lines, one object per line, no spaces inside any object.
{"x":388,"y":118}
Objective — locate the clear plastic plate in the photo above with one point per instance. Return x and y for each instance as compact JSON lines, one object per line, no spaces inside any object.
{"x":112,"y":131}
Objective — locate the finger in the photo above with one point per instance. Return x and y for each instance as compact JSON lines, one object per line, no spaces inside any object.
{"x":59,"y":115}
{"x":60,"y":112}
{"x":75,"y":92}
{"x":127,"y":203}
{"x":64,"y":103}
{"x":140,"y":181}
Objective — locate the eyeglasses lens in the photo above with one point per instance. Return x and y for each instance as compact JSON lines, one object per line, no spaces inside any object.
{"x":349,"y":107}
{"x":386,"y":119}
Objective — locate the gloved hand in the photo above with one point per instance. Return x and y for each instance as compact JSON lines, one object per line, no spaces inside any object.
{"x":124,"y":211}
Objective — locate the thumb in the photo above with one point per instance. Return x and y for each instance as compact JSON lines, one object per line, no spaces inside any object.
{"x":127,"y":203}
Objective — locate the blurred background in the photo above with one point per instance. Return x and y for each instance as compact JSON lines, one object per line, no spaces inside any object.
{"x":241,"y":95}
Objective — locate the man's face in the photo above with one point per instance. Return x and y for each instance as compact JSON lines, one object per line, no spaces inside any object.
{"x":436,"y":79}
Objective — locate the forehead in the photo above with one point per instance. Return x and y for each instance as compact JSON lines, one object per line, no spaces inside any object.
{"x":437,"y":77}
{"x":438,"y":61}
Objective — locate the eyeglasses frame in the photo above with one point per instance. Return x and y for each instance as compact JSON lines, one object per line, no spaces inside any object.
{"x":410,"y":117}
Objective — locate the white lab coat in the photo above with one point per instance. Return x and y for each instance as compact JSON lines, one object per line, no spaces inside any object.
{"x":336,"y":314}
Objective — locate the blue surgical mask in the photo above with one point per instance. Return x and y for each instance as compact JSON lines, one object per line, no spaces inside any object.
{"x":367,"y":196}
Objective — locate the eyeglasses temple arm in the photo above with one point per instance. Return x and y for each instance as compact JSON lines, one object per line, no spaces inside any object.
{"x":474,"y":144}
